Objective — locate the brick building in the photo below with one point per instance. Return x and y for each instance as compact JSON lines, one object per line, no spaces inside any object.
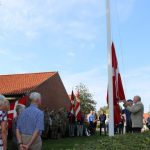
{"x":49,"y":84}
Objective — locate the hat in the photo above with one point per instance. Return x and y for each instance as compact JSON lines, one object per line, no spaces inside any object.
{"x":129,"y":100}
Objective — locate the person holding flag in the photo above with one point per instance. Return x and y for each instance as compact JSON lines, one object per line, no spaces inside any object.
{"x":137,"y":112}
{"x":71,"y":115}
{"x":79,"y":115}
{"x":128,"y":120}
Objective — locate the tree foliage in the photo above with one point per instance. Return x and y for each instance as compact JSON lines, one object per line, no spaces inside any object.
{"x":104,"y":109}
{"x":86,"y":98}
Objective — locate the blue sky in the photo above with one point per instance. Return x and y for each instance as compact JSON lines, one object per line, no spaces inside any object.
{"x":69,"y":36}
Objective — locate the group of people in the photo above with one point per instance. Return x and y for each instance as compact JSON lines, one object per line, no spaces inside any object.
{"x":61,"y":123}
{"x":31,"y":123}
{"x":55,"y":123}
{"x":87,"y":124}
{"x":93,"y":121}
{"x":131,"y":117}
{"x":28,"y":125}
{"x":92,"y":118}
{"x":131,"y":121}
{"x":134,"y":111}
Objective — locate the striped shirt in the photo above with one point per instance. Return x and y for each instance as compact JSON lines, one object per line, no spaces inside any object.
{"x":30,"y":119}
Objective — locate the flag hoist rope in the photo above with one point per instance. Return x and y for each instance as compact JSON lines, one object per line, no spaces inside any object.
{"x":110,"y":71}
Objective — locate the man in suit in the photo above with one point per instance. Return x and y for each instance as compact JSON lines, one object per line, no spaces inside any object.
{"x":137,"y":111}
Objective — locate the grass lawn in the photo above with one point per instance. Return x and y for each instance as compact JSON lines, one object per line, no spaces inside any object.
{"x":119,"y":142}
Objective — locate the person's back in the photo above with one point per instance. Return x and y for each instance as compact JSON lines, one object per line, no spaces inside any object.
{"x":19,"y":110}
{"x":29,"y":119}
{"x":30,"y":125}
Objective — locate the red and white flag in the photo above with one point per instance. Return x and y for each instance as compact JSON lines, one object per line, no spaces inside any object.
{"x":72,"y":102}
{"x":118,"y":91}
{"x":78,"y":107}
{"x":12,"y":112}
{"x":117,"y":82}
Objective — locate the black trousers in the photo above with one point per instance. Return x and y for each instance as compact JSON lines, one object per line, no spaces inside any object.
{"x":91,"y":127}
{"x":121,"y":129}
{"x":136,"y":130}
{"x":128,"y":129}
{"x":102,"y":125}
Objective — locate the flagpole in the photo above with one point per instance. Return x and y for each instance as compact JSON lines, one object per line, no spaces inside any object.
{"x":110,"y":73}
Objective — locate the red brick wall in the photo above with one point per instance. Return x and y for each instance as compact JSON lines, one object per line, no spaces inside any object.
{"x":53,"y":93}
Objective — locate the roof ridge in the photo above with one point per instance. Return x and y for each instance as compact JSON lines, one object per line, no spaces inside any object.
{"x":29,"y":73}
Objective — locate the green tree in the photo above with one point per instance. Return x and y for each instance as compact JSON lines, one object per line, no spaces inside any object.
{"x":86,"y":98}
{"x":104,"y":109}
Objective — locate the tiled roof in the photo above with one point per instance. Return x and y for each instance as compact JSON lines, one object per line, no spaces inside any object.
{"x":22,"y":83}
{"x":146,"y":115}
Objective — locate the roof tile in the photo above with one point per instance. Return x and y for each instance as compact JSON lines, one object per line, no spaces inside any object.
{"x":22,"y":83}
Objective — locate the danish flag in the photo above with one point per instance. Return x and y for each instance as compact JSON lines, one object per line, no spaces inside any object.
{"x":72,"y":102}
{"x":78,"y":107}
{"x":12,"y":112}
{"x":118,"y":91}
